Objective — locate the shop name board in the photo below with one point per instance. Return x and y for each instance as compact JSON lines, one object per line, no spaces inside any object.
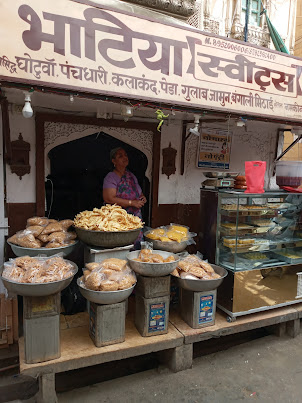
{"x":89,"y":48}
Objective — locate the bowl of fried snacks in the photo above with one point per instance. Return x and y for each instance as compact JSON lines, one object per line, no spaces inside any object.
{"x":45,"y":236}
{"x":152,"y":263}
{"x":65,"y":250}
{"x":36,"y":276}
{"x":173,"y":238}
{"x":110,"y":226}
{"x":194,"y":274}
{"x":107,"y":282}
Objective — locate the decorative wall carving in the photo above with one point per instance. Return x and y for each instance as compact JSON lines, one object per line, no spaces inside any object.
{"x":59,"y":133}
{"x":195,"y":19}
{"x":19,"y":163}
{"x":169,"y":156}
{"x":259,"y":143}
{"x":183,"y":8}
{"x":257,"y":35}
{"x":211,"y":25}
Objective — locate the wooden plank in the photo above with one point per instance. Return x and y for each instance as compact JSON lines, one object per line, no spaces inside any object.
{"x":78,"y":350}
{"x":298,"y":308}
{"x":15,"y":320}
{"x":293,"y":327}
{"x":40,"y":168}
{"x":2,"y":311}
{"x":10,"y":337}
{"x":8,"y":307}
{"x":242,"y":324}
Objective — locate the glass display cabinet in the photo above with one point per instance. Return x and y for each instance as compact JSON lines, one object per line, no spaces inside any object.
{"x":258,"y":239}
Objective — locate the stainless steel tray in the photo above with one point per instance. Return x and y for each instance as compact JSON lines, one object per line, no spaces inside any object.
{"x":32,"y":252}
{"x":287,"y":259}
{"x":203,"y":285}
{"x":107,"y":239}
{"x":233,"y":213}
{"x":104,"y":297}
{"x":38,"y":289}
{"x":152,"y":269}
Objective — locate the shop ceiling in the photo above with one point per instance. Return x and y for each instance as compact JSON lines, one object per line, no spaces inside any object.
{"x":80,"y":106}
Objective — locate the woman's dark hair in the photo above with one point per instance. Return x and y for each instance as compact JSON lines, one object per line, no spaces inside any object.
{"x":114,"y":151}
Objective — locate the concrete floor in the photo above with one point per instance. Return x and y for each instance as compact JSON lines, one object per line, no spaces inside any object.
{"x":268,"y":369}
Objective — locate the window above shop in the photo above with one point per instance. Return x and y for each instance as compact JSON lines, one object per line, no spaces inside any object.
{"x":255,"y":10}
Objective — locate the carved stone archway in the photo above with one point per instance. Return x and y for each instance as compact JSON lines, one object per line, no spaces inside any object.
{"x":52,"y":130}
{"x":56,"y":133}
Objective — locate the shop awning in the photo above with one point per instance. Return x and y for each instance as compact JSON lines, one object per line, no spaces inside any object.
{"x":92,"y":47}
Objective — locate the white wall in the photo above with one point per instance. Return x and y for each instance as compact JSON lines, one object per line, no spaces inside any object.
{"x":22,"y":191}
{"x":258,"y":142}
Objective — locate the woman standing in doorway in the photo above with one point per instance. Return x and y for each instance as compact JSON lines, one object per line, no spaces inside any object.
{"x":121,"y":186}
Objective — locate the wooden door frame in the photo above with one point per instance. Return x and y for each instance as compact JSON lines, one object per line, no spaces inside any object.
{"x":41,"y":118}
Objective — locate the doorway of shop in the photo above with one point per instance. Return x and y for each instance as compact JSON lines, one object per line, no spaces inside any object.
{"x":78,"y":169}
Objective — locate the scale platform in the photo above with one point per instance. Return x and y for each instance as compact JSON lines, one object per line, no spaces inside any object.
{"x":219,"y":183}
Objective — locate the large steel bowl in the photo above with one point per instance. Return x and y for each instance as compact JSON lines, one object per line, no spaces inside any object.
{"x":38,"y":289}
{"x":203,"y":285}
{"x":152,"y":269}
{"x":32,"y":252}
{"x":107,"y":239}
{"x":173,"y":246}
{"x":104,"y":297}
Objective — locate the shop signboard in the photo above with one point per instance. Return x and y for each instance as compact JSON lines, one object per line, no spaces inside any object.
{"x":82,"y":46}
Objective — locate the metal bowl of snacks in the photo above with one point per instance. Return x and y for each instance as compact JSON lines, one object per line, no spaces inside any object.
{"x":172,"y":246}
{"x":152,"y":269}
{"x":107,"y":239}
{"x":38,"y":289}
{"x":203,"y":285}
{"x":104,"y":297}
{"x":224,"y":174}
{"x":32,"y":252}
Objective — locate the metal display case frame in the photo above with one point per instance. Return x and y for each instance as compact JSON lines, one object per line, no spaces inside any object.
{"x":257,"y":238}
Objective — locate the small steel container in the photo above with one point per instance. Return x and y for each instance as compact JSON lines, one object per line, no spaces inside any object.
{"x":203,"y":285}
{"x":104,"y":297}
{"x":152,"y":269}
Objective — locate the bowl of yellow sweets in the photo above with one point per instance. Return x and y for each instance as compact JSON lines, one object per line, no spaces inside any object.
{"x":173,"y":238}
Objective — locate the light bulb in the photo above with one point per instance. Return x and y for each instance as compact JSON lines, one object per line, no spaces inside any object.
{"x":126,"y":111}
{"x":195,"y":130}
{"x":27,"y":110}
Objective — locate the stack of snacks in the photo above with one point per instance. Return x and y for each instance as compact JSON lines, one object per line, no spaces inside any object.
{"x":173,"y":232}
{"x":240,"y":182}
{"x":109,"y":275}
{"x":147,"y":256}
{"x":111,"y":218}
{"x":27,"y":269}
{"x":42,"y":232}
{"x":193,"y":268}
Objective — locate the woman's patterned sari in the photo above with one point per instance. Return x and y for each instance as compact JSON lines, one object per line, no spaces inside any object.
{"x":127,"y":189}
